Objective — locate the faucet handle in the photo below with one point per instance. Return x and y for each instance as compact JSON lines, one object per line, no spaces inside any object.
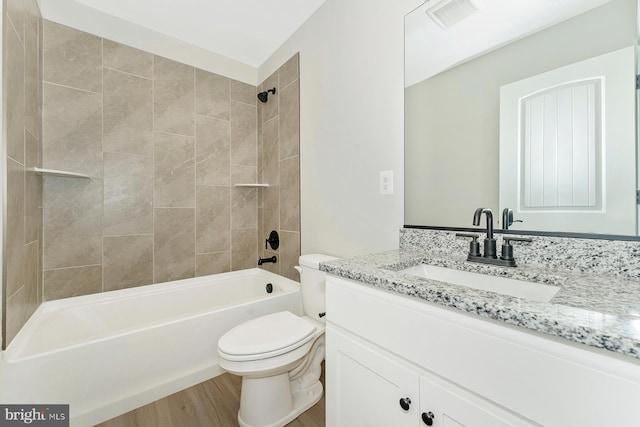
{"x":474,"y":245}
{"x":517,"y":240}
{"x":507,"y":248}
{"x":474,"y":236}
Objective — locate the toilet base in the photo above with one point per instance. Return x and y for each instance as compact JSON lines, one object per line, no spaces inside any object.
{"x":269,"y":402}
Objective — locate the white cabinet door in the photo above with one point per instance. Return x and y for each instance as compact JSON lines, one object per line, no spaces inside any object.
{"x":449,"y":406}
{"x":365,"y":387}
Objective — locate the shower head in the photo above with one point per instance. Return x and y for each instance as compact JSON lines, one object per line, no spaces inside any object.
{"x":262,"y":96}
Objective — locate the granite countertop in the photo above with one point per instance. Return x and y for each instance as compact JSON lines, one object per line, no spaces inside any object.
{"x":602,"y":312}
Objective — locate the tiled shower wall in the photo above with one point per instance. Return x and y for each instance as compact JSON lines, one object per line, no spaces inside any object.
{"x":164,"y":143}
{"x":279,"y":153}
{"x":23,"y":116}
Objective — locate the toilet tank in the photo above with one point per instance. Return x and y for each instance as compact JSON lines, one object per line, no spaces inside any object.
{"x":312,"y":285}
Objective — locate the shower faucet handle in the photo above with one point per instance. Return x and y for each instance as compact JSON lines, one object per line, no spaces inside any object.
{"x":273,"y":240}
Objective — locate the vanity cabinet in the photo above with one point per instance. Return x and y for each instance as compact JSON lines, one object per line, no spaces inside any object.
{"x":383,"y":347}
{"x":374,"y":388}
{"x":370,"y":385}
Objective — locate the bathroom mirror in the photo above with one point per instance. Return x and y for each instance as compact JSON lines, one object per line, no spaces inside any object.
{"x":456,"y":61}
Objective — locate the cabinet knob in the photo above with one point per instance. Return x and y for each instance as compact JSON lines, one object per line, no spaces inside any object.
{"x":405,"y":403}
{"x":427,"y":418}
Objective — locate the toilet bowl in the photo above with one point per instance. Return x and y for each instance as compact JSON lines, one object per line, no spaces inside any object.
{"x":279,"y":355}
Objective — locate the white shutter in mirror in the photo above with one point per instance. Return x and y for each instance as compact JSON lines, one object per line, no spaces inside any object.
{"x":568,"y":147}
{"x":561,"y":147}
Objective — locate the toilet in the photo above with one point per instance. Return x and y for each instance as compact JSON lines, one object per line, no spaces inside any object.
{"x":279,"y":355}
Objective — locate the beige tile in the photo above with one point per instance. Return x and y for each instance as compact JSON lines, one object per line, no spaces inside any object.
{"x":15,"y":90}
{"x":290,"y":194}
{"x":289,"y":254}
{"x":219,"y":262}
{"x":31,"y":279}
{"x":15,"y":312}
{"x":174,"y":97}
{"x":128,"y":194}
{"x":128,"y":261}
{"x":244,"y":200}
{"x":260,"y":142}
{"x":289,"y":119}
{"x":15,"y":227}
{"x":128,"y":113}
{"x":270,"y":108}
{"x":40,"y":60}
{"x":40,"y":253}
{"x":244,"y":249}
{"x":243,"y":92}
{"x":271,"y":208}
{"x":72,"y":130}
{"x":32,"y":13}
{"x":31,"y":58}
{"x":128,"y":59}
{"x":32,"y":151}
{"x":288,"y":73}
{"x":212,"y":95}
{"x":16,"y":13}
{"x":73,"y":58}
{"x":174,"y":171}
{"x":262,"y":234}
{"x":271,"y":154}
{"x":259,"y":104}
{"x":260,"y":193}
{"x":213,"y":145}
{"x":33,"y":190}
{"x":71,"y":251}
{"x":213,"y":219}
{"x":72,"y":282}
{"x":243,"y":174}
{"x":72,"y":222}
{"x":174,"y":244}
{"x":243,"y":134}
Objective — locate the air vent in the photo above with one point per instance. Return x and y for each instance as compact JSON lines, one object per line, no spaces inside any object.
{"x":447,"y":13}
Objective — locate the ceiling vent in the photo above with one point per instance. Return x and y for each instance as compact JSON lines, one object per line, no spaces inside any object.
{"x":447,"y":13}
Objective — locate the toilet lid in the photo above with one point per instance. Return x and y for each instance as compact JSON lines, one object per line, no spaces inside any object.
{"x":266,"y":336}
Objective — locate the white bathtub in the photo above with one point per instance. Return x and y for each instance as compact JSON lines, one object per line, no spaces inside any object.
{"x":105,"y":354}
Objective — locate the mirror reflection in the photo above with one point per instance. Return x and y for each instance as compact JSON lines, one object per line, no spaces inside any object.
{"x":455,"y":139}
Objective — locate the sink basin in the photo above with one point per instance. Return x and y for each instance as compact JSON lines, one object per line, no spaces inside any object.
{"x":501,"y":285}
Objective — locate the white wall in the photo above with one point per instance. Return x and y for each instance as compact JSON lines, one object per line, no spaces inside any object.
{"x":351,"y":123}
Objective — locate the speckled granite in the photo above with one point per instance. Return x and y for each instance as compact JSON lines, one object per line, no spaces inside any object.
{"x":598,"y":304}
{"x":598,"y":257}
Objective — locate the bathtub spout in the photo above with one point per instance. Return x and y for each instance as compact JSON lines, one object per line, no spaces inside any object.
{"x":273,"y":259}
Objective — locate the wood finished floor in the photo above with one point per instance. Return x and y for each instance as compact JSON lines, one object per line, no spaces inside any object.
{"x":213,"y":403}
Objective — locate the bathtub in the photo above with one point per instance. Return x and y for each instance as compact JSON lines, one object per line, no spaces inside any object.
{"x":106,"y":354}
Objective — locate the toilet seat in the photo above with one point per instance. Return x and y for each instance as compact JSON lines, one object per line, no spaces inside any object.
{"x":267,"y":336}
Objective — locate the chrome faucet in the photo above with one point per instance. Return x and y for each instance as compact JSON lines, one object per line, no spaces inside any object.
{"x":489,"y":241}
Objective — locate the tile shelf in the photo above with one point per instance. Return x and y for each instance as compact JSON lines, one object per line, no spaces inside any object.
{"x":254,"y":185}
{"x":59,"y":173}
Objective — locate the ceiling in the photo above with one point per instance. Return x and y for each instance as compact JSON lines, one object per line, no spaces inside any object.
{"x":248,"y":31}
{"x":431,"y":49}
